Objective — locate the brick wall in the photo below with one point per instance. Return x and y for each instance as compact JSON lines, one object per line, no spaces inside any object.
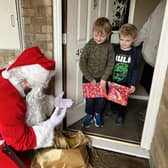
{"x":159,"y":148}
{"x":7,"y":57}
{"x":38,"y":30}
{"x":38,"y":25}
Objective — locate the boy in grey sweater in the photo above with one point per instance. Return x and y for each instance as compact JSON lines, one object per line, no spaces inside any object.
{"x":96,"y":64}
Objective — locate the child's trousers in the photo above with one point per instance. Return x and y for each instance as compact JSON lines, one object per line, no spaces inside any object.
{"x":119,"y":109}
{"x":94,"y":105}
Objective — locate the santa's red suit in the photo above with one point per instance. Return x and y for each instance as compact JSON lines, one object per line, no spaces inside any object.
{"x":13,"y":128}
{"x":12,"y":122}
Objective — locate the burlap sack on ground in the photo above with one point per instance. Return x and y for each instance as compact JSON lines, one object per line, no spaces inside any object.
{"x":69,"y":151}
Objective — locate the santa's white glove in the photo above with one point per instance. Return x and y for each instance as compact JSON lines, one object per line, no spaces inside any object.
{"x":62,"y":103}
{"x":57,"y":116}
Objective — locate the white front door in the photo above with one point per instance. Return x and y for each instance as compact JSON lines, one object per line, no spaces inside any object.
{"x":80,"y":18}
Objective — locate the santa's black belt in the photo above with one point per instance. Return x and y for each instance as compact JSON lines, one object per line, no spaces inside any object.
{"x":11,"y":153}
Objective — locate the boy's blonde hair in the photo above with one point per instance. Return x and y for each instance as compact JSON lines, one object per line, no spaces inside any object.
{"x":102,"y":24}
{"x":128,"y":30}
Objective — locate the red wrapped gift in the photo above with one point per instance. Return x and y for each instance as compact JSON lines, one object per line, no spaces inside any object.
{"x":118,"y":93}
{"x":90,"y":91}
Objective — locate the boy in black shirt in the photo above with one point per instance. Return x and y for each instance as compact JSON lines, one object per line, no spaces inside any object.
{"x":125,"y":68}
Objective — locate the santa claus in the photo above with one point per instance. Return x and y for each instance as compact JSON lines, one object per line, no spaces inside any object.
{"x":23,"y":123}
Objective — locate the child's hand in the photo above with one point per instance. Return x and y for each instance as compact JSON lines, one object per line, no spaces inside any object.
{"x":93,"y":82}
{"x":109,"y":83}
{"x":103,"y":84}
{"x":132,"y":89}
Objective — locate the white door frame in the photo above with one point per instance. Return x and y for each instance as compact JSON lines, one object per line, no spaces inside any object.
{"x":57,"y":32}
{"x":141,"y":150}
{"x":19,"y":10}
{"x":157,"y":85}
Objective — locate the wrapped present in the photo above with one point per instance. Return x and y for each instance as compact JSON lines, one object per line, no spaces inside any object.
{"x":118,"y":93}
{"x":69,"y":150}
{"x":90,"y":91}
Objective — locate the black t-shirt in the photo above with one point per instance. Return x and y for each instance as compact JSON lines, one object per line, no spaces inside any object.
{"x":121,"y":66}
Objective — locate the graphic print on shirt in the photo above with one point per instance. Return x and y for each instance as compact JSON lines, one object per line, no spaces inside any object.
{"x":120,"y":70}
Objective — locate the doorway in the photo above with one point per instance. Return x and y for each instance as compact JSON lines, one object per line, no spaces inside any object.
{"x":77,"y":36}
{"x":118,"y":146}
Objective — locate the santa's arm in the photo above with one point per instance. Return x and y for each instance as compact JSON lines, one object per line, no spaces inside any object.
{"x":45,"y":131}
{"x":21,"y":137}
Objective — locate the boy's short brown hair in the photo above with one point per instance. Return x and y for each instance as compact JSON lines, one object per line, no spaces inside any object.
{"x":128,"y":30}
{"x":102,"y":24}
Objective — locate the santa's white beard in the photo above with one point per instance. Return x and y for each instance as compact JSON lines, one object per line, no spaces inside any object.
{"x":39,"y":106}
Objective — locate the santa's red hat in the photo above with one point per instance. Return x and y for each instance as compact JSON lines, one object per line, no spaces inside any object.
{"x":31,"y":65}
{"x":33,"y":56}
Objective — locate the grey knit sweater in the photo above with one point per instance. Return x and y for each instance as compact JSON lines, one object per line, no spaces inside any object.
{"x":97,"y":60}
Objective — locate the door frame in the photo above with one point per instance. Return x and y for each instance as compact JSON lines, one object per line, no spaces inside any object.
{"x":157,"y":85}
{"x":141,"y":150}
{"x":57,"y":35}
{"x":19,"y":11}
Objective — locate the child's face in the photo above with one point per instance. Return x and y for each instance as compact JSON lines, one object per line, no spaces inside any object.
{"x":99,"y":37}
{"x":126,"y":42}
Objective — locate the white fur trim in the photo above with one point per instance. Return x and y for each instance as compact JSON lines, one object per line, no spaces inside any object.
{"x":1,"y":142}
{"x":44,"y":134}
{"x":14,"y":81}
{"x":5,"y":74}
{"x":36,"y":75}
{"x":14,"y":75}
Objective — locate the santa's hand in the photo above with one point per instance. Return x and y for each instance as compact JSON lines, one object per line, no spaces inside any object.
{"x":57,"y":116}
{"x":62,"y":103}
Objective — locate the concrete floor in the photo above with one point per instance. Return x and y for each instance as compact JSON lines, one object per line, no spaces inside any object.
{"x":107,"y":159}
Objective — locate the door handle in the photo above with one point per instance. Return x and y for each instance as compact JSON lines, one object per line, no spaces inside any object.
{"x":12,"y":21}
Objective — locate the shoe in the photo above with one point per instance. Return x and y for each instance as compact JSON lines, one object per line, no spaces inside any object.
{"x":119,"y":121}
{"x":98,"y":120}
{"x":88,"y":120}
